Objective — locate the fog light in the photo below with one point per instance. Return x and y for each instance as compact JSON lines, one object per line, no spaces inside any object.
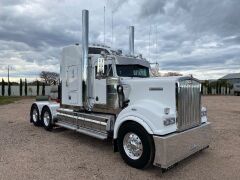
{"x":169,"y":121}
{"x":119,"y":89}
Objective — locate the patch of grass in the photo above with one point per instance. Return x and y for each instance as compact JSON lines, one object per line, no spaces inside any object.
{"x":7,"y":100}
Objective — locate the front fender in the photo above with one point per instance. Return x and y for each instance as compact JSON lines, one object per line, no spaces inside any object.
{"x":136,"y":119}
{"x":148,"y":113}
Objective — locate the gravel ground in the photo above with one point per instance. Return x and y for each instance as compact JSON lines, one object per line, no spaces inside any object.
{"x":29,"y":152}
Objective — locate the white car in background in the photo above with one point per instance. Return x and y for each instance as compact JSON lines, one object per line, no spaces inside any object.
{"x":236,"y":88}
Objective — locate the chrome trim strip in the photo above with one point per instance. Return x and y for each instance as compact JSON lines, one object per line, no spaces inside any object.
{"x":83,"y":119}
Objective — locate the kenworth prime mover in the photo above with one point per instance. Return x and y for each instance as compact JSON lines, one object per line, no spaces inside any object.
{"x":105,"y":94}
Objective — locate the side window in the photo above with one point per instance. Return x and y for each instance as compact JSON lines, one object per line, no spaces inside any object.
{"x":108,"y":72}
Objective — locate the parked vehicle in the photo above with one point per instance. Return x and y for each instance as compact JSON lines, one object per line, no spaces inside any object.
{"x":105,"y":94}
{"x":236,"y":89}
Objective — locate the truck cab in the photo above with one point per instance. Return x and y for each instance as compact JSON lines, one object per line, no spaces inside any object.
{"x":122,"y":97}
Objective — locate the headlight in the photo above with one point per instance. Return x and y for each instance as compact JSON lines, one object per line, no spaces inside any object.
{"x":169,"y":121}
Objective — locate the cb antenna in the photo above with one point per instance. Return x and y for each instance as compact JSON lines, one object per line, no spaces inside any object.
{"x":112,"y":28}
{"x":149,"y":36}
{"x":104,"y":25}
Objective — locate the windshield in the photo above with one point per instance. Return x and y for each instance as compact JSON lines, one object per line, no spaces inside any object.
{"x":132,"y":71}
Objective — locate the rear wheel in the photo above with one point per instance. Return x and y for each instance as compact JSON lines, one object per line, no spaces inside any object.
{"x":34,"y":115}
{"x":47,"y":119}
{"x":135,"y":145}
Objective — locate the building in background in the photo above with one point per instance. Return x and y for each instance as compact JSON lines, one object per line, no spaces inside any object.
{"x":232,"y":78}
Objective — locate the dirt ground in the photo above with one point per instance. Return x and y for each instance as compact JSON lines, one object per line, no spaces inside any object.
{"x":29,"y":152}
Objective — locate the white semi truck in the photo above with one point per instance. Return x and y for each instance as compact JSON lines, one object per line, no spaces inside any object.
{"x":105,"y":94}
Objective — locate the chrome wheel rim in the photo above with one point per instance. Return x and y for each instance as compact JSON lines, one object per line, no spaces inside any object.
{"x":35,"y":115}
{"x":46,"y":118}
{"x":132,"y":145}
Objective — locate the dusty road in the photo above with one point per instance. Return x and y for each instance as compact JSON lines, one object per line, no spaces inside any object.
{"x":28,"y":152}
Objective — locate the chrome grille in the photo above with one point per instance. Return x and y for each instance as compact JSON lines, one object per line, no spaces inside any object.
{"x":188,"y":96}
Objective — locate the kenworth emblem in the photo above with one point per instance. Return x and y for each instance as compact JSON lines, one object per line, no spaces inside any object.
{"x":189,"y":82}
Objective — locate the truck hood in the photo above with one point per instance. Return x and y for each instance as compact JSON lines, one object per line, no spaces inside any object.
{"x":158,"y":89}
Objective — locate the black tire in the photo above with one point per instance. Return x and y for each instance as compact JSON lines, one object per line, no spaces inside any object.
{"x":47,"y":122}
{"x":148,"y":149}
{"x":34,"y":116}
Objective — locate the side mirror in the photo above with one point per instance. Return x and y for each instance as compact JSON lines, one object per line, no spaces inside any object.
{"x":100,"y":66}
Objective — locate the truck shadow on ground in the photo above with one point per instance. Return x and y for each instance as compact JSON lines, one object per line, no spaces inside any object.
{"x":106,"y":146}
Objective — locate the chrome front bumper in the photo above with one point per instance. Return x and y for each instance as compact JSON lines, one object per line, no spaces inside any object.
{"x":175,"y":147}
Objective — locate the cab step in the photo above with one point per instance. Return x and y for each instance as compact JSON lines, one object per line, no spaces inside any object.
{"x":89,"y":132}
{"x":92,"y":124}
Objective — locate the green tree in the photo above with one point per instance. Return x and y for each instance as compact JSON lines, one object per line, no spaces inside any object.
{"x":49,"y":77}
{"x":222,"y":83}
{"x":37,"y":87}
{"x":20,"y":87}
{"x":230,"y":87}
{"x":3,"y":87}
{"x":9,"y":88}
{"x":205,"y":84}
{"x":25,"y":88}
{"x":217,"y":87}
{"x":226,"y":88}
{"x":209,"y":89}
{"x":43,"y":89}
{"x":214,"y":85}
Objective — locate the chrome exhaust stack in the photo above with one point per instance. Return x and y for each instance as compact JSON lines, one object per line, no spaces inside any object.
{"x":86,"y":66}
{"x":131,"y":40}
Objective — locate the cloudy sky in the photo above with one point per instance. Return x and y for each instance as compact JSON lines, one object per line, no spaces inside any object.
{"x":199,"y":37}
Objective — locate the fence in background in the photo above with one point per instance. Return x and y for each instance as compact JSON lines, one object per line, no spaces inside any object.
{"x":31,"y":90}
{"x":220,"y":91}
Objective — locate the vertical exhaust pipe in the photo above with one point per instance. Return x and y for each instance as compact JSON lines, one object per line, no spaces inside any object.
{"x":131,"y":40}
{"x":85,"y":62}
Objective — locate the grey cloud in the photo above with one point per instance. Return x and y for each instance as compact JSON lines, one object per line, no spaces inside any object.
{"x":22,"y":74}
{"x":116,"y":5}
{"x":190,"y":35}
{"x":198,"y":15}
{"x":224,"y":58}
{"x":151,"y":8}
{"x":32,"y":33}
{"x":11,"y":2}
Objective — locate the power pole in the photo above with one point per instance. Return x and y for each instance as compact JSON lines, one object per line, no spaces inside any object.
{"x":9,"y":85}
{"x":8,"y":74}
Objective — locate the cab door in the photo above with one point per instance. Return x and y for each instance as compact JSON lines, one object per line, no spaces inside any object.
{"x":100,"y":84}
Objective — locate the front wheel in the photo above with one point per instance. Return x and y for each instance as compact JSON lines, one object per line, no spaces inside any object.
{"x":135,"y":145}
{"x":47,"y":119}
